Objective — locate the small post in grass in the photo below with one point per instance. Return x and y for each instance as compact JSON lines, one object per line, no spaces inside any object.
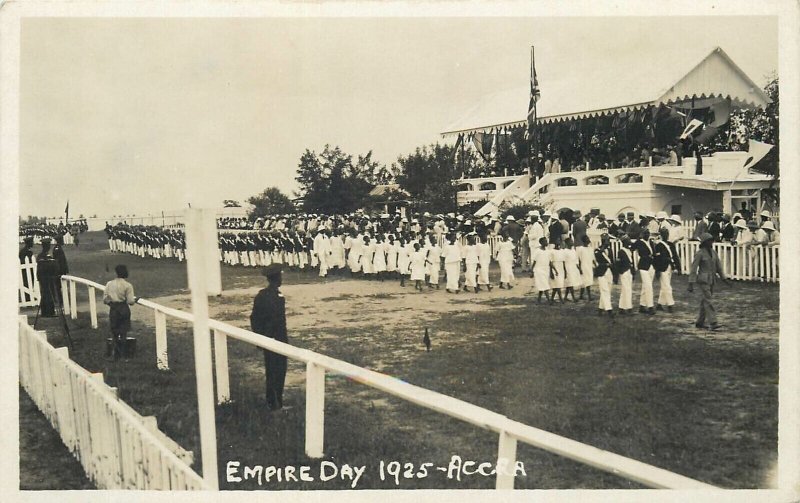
{"x":506,"y":458}
{"x":202,"y":252}
{"x":315,"y":410}
{"x":93,"y":307}
{"x":162,"y":358}
{"x":221,"y":364}
{"x":73,"y":299}
{"x":65,"y":296}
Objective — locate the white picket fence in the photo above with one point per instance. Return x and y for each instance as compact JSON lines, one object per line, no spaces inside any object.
{"x":509,"y":432}
{"x":28,"y":295}
{"x":749,"y":263}
{"x":117,"y":447}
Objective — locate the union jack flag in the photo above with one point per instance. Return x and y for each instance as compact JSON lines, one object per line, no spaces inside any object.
{"x":535,"y":94}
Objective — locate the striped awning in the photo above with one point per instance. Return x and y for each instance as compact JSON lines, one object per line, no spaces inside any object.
{"x":593,"y":93}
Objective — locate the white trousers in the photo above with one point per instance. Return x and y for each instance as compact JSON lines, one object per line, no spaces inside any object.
{"x":626,"y":290}
{"x":433,"y":272}
{"x":506,"y":271}
{"x":323,"y":266}
{"x":604,"y":282}
{"x":665,"y":292}
{"x":471,"y":275}
{"x":646,"y":297}
{"x":483,"y":274}
{"x":452,"y":271}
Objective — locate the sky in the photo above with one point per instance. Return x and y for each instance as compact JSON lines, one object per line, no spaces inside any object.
{"x":139,"y":116}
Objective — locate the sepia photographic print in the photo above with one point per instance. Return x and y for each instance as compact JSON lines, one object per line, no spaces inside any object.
{"x":355,"y":250}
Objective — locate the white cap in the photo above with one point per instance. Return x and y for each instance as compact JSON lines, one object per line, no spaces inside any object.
{"x":741,"y":224}
{"x":765,"y":213}
{"x":661,"y":214}
{"x":535,"y":213}
{"x":530,"y":213}
{"x":768,"y":225}
{"x":509,"y":218}
{"x":676,"y":218}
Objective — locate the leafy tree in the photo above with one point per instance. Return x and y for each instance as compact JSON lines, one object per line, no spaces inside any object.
{"x":270,"y":202}
{"x":428,"y":175}
{"x":333,"y":182}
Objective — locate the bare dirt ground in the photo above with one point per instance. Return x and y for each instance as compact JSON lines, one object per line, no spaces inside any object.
{"x":654,"y":388}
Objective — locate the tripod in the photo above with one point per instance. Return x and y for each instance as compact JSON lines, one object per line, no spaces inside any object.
{"x":50,"y":290}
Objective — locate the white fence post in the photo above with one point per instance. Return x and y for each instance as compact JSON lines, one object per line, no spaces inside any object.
{"x":65,"y":296}
{"x":93,"y":306}
{"x":315,"y":410}
{"x":221,"y":366}
{"x":506,"y":459}
{"x":162,"y":358}
{"x":198,"y":234}
{"x":73,"y":299}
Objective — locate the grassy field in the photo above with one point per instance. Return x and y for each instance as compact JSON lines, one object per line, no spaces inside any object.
{"x":702,"y":404}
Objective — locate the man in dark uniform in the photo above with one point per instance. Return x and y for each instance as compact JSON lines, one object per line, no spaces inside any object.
{"x":269,"y":319}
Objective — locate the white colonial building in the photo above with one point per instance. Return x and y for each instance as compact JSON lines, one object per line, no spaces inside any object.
{"x":726,"y":181}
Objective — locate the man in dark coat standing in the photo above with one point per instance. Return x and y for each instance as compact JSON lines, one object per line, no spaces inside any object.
{"x":269,"y":319}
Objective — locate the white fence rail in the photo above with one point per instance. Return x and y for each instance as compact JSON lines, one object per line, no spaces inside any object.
{"x":118,"y":448}
{"x":510,"y":432}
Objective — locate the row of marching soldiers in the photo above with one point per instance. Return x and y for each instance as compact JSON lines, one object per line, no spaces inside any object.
{"x":146,"y":241}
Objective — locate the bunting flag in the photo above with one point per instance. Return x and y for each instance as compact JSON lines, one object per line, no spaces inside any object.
{"x":693,"y":125}
{"x":483,"y":143}
{"x":66,"y":211}
{"x":757,"y":151}
{"x":459,"y":142}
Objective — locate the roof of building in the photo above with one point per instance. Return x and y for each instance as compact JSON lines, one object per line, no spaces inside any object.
{"x":602,"y":90}
{"x":381,"y":190}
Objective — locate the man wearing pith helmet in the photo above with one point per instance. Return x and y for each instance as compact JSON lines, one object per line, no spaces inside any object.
{"x":269,"y":319}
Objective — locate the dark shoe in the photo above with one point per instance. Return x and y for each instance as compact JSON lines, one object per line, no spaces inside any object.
{"x":659,"y":307}
{"x":642,"y":309}
{"x":477,"y":289}
{"x":701,"y":326}
{"x":622,"y":312}
{"x":489,"y":287}
{"x":599,"y":312}
{"x":715,"y":326}
{"x":669,"y":309}
{"x":510,"y":286}
{"x":651,"y":311}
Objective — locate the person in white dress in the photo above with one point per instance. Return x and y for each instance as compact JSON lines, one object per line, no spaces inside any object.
{"x":505,"y":258}
{"x":470,"y":254}
{"x":356,"y":250}
{"x":434,"y":258}
{"x":484,"y":260}
{"x":403,"y":258}
{"x":366,"y":258}
{"x":418,"y":267}
{"x":586,"y":263}
{"x":379,"y":258}
{"x":572,"y":273}
{"x":322,"y":247}
{"x":542,"y":269}
{"x":392,"y":249}
{"x":452,"y":263}
{"x":557,"y":283}
{"x":337,"y":251}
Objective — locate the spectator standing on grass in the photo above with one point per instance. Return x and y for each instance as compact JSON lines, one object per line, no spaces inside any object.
{"x":706,"y":266}
{"x":665,"y":260}
{"x":269,"y":319}
{"x":542,"y":270}
{"x":505,"y":258}
{"x":701,"y":226}
{"x":644,"y":250}
{"x":586,"y":259}
{"x":119,"y":297}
